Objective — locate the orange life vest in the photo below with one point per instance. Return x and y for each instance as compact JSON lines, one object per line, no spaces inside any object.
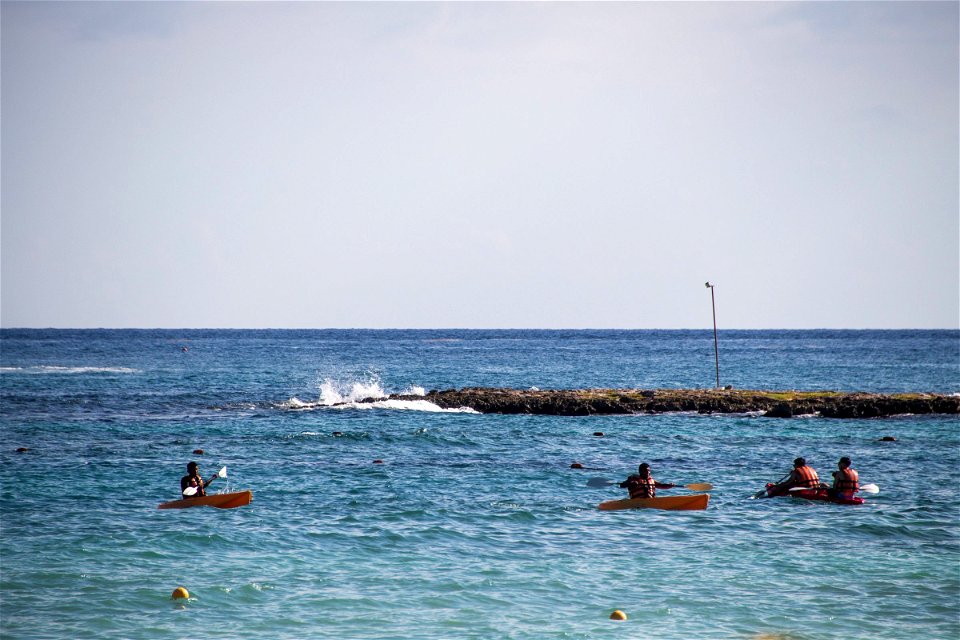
{"x":642,"y":487}
{"x":846,"y":480}
{"x":806,"y":477}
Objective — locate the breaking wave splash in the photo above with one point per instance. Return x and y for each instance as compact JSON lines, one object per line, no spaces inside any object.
{"x":366,"y":394}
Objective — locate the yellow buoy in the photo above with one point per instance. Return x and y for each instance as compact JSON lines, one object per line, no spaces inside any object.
{"x":180,"y":592}
{"x":618,"y":615}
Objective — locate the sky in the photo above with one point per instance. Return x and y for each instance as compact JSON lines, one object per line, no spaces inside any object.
{"x":479,"y":165}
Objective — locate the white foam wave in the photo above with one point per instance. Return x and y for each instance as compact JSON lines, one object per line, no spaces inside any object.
{"x":414,"y":390}
{"x":404,"y":405}
{"x":68,"y":370}
{"x":296,"y":403}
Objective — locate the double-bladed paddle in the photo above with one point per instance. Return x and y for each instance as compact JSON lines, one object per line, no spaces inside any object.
{"x":604,"y":482}
{"x":191,"y":491}
{"x":763,"y":492}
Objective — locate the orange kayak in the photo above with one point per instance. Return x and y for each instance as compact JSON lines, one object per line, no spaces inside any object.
{"x":218,"y":500}
{"x":695,"y":502}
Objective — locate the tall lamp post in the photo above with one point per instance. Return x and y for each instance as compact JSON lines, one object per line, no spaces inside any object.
{"x":716,"y":347}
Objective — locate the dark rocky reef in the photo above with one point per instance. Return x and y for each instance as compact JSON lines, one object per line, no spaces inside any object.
{"x":774,"y":404}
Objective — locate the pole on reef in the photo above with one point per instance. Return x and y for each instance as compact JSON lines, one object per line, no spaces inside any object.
{"x":716,"y":346}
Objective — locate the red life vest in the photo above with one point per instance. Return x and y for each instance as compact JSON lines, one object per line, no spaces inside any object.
{"x":806,"y":477}
{"x":642,"y":487}
{"x":846,"y":480}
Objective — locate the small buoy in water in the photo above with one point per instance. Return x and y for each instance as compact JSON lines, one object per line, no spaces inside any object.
{"x":599,"y":434}
{"x":378,"y":462}
{"x":888,"y":439}
{"x":576,"y":465}
{"x":199,"y":452}
{"x":180,"y":592}
{"x":618,"y":615}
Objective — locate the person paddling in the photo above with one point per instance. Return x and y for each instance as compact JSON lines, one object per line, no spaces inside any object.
{"x":846,"y":481}
{"x":802,"y":476}
{"x":195,"y":480}
{"x":642,"y":484}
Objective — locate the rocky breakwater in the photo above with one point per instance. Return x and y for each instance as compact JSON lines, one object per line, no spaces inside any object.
{"x":776,"y":404}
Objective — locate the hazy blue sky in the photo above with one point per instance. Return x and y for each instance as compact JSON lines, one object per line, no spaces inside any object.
{"x":480,"y":164}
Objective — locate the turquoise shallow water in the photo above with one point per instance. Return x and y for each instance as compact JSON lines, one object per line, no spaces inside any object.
{"x":474,"y":526}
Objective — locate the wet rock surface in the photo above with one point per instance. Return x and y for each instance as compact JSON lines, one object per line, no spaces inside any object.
{"x":774,"y":404}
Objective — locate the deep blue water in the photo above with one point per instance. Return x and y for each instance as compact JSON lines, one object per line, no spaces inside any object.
{"x":474,"y":526}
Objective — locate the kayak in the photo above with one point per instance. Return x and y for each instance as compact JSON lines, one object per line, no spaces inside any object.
{"x":218,"y":500}
{"x":820,"y":494}
{"x":695,"y":502}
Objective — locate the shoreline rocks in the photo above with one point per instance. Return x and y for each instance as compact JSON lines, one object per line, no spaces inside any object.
{"x":773,"y":404}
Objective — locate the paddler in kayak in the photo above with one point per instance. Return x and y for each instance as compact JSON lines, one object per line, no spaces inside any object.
{"x":802,"y":475}
{"x":195,"y":480}
{"x":846,"y":481}
{"x":642,"y":484}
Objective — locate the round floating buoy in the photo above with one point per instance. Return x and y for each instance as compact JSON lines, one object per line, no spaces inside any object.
{"x":888,"y":439}
{"x":199,"y":452}
{"x":378,"y":462}
{"x":599,"y":434}
{"x":576,"y":465}
{"x":618,"y":615}
{"x":180,"y":592}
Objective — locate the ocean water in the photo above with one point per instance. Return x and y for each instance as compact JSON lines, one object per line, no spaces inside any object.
{"x":473,"y":526}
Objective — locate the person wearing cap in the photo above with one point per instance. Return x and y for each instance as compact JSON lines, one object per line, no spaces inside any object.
{"x":846,"y":481}
{"x":802,"y":475}
{"x":642,"y":484}
{"x":194,"y":479}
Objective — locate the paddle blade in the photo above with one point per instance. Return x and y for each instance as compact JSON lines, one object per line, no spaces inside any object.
{"x":189,"y":491}
{"x":222,"y":473}
{"x":701,"y":486}
{"x":870,"y":488}
{"x":599,"y":482}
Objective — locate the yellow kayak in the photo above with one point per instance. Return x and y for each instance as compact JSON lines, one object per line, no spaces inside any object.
{"x":218,"y":500}
{"x":695,"y":502}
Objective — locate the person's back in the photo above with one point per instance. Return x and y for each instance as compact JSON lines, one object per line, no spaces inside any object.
{"x":846,"y":481}
{"x":804,"y":475}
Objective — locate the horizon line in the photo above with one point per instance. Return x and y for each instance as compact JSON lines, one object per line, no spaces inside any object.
{"x":51,"y":328}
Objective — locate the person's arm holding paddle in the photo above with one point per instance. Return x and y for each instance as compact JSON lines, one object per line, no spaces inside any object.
{"x":193,"y":485}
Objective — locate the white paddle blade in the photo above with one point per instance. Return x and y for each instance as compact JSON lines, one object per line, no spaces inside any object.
{"x":870,"y":488}
{"x":222,"y":473}
{"x":189,"y":491}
